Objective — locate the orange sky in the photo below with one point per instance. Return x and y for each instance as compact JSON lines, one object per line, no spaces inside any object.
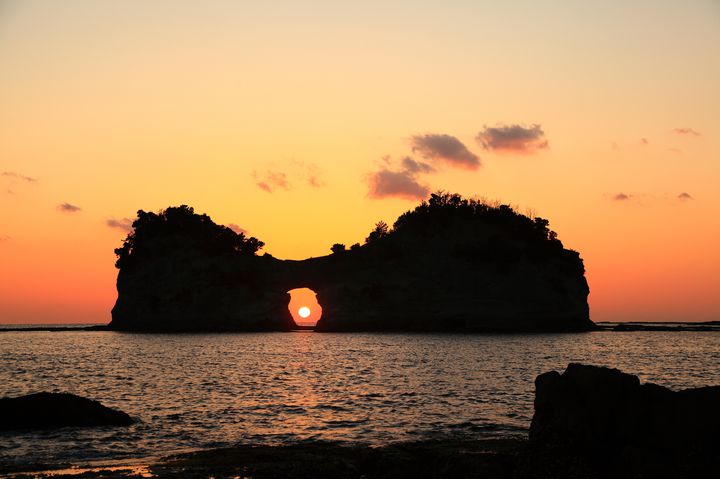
{"x":292,"y":120}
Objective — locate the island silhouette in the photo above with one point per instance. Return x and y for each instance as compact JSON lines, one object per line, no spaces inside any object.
{"x":452,"y":264}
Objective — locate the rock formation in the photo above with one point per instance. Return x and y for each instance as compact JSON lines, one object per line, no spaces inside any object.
{"x":51,"y":410}
{"x":451,"y":264}
{"x":626,"y":429}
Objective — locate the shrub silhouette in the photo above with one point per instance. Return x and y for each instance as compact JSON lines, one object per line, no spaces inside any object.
{"x":181,"y":227}
{"x":338,"y":248}
{"x":473,"y":229}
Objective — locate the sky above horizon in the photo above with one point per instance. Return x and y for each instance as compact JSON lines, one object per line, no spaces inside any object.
{"x":306,"y":122}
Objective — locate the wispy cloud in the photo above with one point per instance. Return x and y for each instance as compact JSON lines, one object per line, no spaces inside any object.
{"x":68,"y":208}
{"x":288,"y":175}
{"x":650,"y":199}
{"x":17,"y":176}
{"x":513,"y":138}
{"x":237,"y":228}
{"x":124,"y":224}
{"x":4,"y":238}
{"x":309,"y":172}
{"x":446,"y":148}
{"x":315,"y":182}
{"x":414,"y":166}
{"x":271,"y":181}
{"x":686,"y":132}
{"x":263,"y":186}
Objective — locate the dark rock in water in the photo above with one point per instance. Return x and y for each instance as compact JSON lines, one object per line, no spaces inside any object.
{"x":52,"y":410}
{"x":620,"y":425}
{"x":452,"y":264}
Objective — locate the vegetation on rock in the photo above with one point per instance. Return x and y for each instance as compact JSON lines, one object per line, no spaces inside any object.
{"x":180,"y":226}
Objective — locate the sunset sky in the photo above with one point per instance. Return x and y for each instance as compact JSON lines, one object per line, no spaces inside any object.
{"x":305,"y":122}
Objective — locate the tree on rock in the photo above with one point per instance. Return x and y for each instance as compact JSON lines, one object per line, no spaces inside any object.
{"x":180,"y":228}
{"x":381,"y":230}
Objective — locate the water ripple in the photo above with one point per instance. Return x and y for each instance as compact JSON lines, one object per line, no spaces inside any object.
{"x":212,"y":390}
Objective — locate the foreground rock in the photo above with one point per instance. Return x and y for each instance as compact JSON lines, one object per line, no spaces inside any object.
{"x":451,"y":264}
{"x":621,"y":428}
{"x":52,"y":410}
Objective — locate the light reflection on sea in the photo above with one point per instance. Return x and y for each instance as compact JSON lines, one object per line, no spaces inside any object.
{"x":212,"y":390}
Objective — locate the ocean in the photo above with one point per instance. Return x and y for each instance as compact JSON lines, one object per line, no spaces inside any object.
{"x":191,"y":391}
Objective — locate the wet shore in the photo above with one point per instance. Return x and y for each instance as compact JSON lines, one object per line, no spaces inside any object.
{"x":489,"y":458}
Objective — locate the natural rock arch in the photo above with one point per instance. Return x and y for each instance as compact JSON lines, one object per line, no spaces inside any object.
{"x":451,"y":264}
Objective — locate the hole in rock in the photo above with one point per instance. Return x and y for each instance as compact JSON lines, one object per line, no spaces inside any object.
{"x":304,"y":306}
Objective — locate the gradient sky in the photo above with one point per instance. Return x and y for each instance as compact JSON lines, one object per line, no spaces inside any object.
{"x":292,"y":119}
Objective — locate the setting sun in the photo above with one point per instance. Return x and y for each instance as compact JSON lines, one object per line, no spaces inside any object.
{"x":304,"y":306}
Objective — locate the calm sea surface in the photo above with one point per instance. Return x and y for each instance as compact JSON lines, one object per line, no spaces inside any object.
{"x":210,"y":390}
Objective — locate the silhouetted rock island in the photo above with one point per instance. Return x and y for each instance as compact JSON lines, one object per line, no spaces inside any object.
{"x":51,"y":410}
{"x":451,"y":264}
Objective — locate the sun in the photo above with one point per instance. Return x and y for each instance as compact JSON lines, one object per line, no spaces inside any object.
{"x":304,"y":312}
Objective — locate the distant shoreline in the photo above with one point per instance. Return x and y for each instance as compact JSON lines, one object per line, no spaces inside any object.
{"x":630,"y":326}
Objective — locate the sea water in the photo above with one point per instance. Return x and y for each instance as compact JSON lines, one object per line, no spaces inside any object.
{"x":190,"y":391}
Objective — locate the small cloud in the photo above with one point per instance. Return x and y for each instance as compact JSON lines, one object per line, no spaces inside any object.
{"x":622,"y":197}
{"x":271,"y":181}
{"x":125,"y":224}
{"x":685,"y":196}
{"x":513,"y":138}
{"x":4,"y":238}
{"x":237,"y":228}
{"x":17,"y":176}
{"x":686,"y":132}
{"x":396,"y":184}
{"x":446,"y":148}
{"x":401,"y":182}
{"x":402,"y":179}
{"x":644,"y":141}
{"x":68,"y":208}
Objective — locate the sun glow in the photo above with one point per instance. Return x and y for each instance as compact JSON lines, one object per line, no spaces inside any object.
{"x":304,"y":306}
